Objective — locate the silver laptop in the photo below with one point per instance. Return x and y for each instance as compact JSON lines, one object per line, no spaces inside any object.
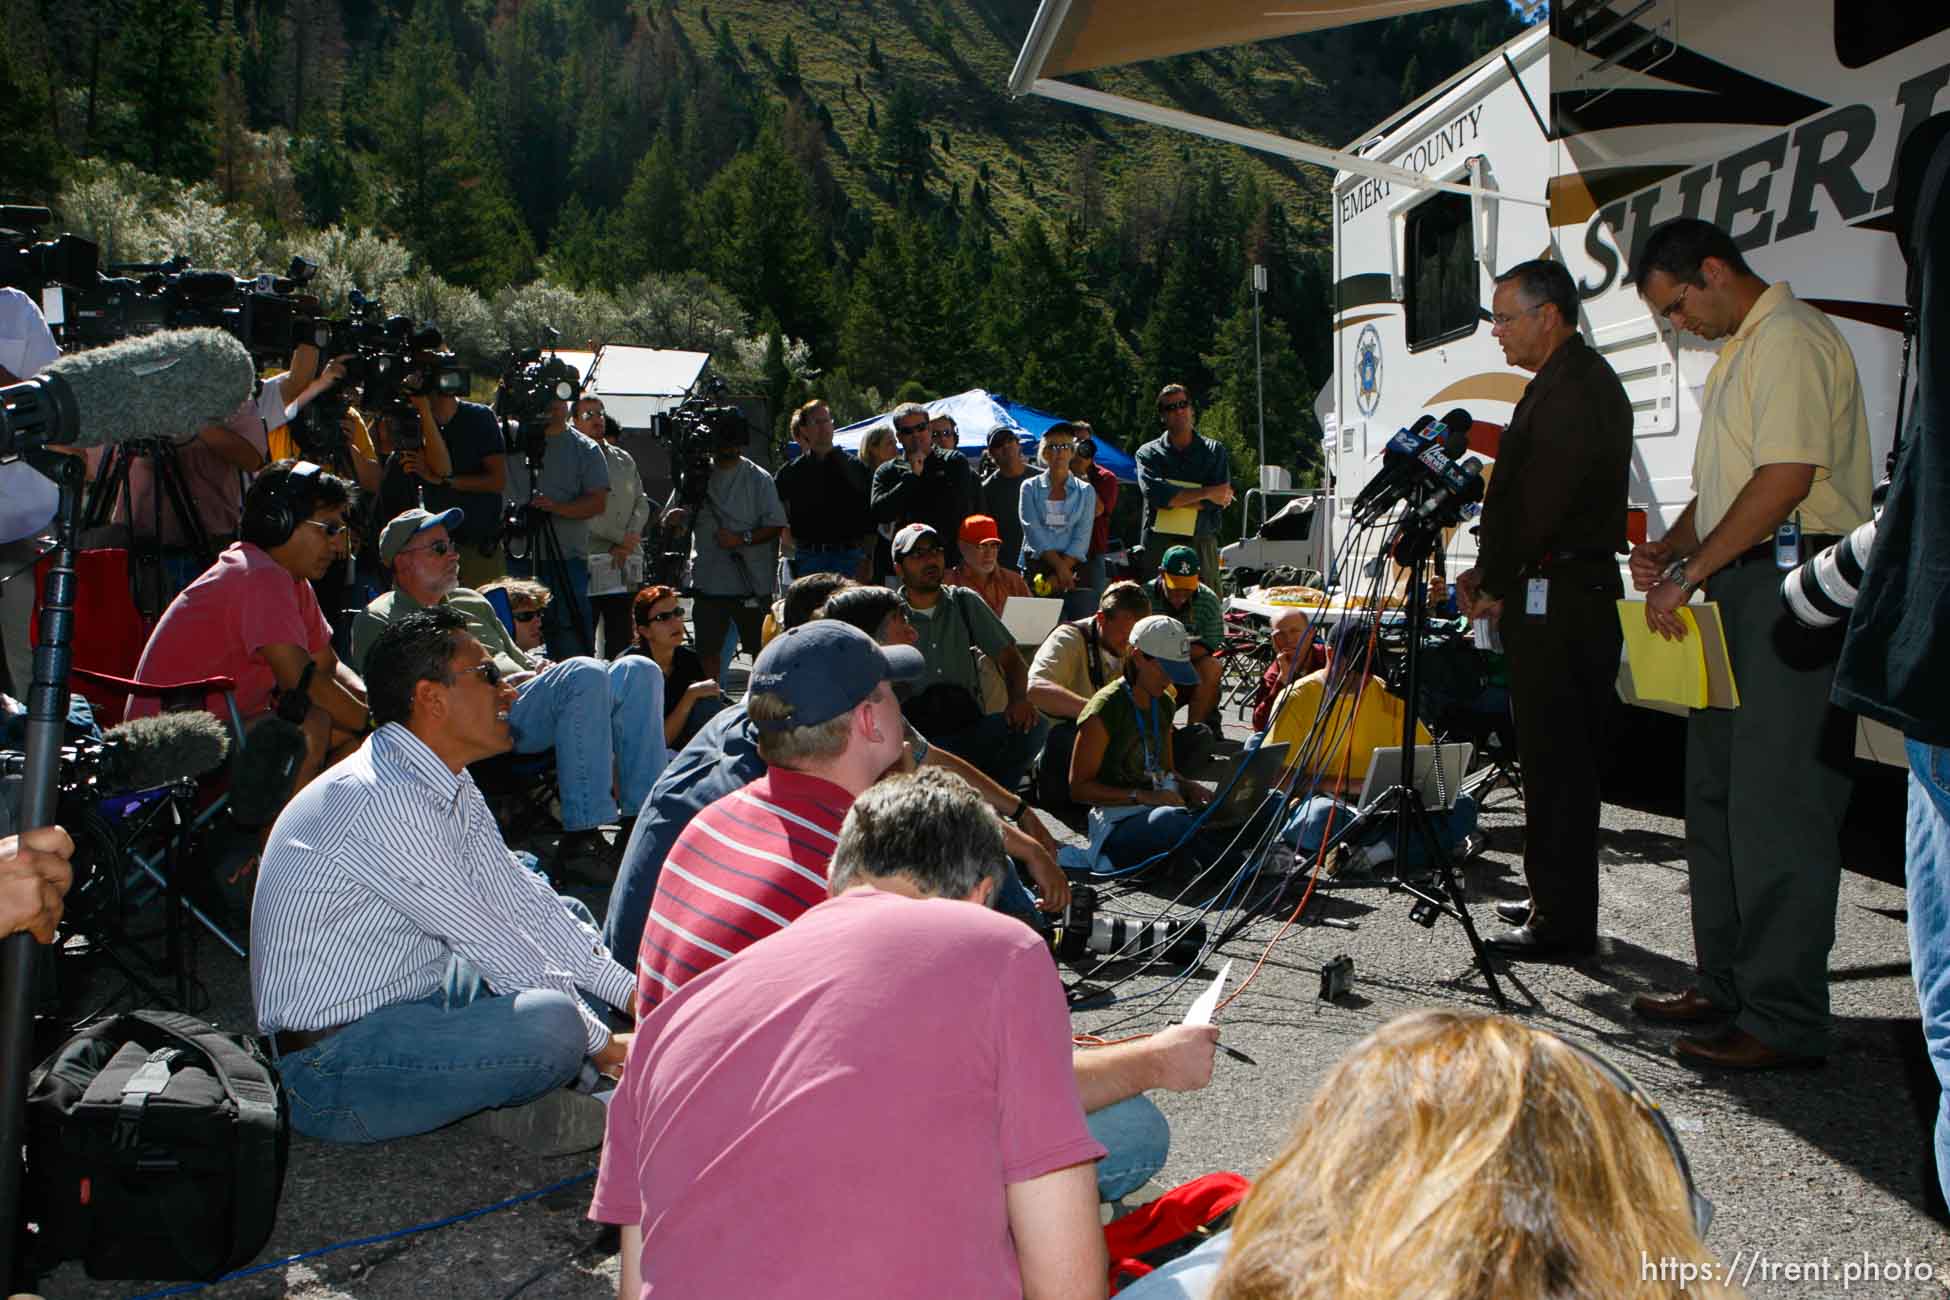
{"x":1030,"y":619}
{"x":1437,"y":796}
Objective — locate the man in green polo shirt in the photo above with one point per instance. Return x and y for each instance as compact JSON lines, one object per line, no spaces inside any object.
{"x":945,"y":704}
{"x":604,"y":721}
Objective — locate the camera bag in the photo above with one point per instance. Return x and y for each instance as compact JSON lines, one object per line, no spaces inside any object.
{"x":156,"y":1148}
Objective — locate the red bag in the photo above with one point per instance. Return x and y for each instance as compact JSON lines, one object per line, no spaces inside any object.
{"x":1160,"y":1231}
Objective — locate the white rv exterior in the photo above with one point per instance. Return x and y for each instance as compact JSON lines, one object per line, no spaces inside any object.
{"x":1761,"y":117}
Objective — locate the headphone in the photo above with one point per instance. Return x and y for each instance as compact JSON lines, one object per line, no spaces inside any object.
{"x":271,"y":519}
{"x":1702,"y":1209}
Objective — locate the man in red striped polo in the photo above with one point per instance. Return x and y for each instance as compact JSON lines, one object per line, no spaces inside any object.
{"x":754,"y":861}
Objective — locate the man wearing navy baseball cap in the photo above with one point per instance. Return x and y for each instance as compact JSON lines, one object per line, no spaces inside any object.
{"x":828,"y":727}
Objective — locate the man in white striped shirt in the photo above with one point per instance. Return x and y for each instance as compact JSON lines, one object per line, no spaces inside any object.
{"x":386,"y":900}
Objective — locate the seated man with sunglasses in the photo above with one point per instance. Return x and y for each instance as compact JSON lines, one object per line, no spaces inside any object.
{"x":603,"y":720}
{"x":253,"y":617}
{"x":407,"y":970}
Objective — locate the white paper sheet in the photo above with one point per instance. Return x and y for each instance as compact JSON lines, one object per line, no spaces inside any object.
{"x":1208,"y":1002}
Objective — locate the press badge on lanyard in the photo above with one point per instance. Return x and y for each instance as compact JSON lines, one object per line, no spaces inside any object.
{"x":1536,"y":596}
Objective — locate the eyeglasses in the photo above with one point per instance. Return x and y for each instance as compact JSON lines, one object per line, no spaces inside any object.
{"x":905,"y":429}
{"x":489,"y":673}
{"x":596,"y":414}
{"x":437,"y":548}
{"x":528,"y":615}
{"x":330,"y":530}
{"x":1178,"y":405}
{"x":1677,"y":304}
{"x":664,"y":617}
{"x":1059,"y":446}
{"x":1504,"y":320}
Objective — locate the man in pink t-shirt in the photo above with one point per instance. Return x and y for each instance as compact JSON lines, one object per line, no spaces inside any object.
{"x":253,"y":617}
{"x":883,"y":1091}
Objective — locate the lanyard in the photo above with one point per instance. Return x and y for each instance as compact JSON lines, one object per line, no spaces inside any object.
{"x":1150,"y":737}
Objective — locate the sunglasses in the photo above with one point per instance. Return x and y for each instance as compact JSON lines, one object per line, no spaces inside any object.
{"x":1178,"y":405}
{"x":591,"y":415}
{"x":528,"y":615}
{"x":330,"y":530}
{"x":905,"y":429}
{"x":489,"y":673}
{"x":664,"y":617}
{"x":437,"y":548}
{"x":1059,"y":446}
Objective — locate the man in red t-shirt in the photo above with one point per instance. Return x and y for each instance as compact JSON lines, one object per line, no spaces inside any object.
{"x":900,"y":1041}
{"x":752,"y":862}
{"x":253,"y":617}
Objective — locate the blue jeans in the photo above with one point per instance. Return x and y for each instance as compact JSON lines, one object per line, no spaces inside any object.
{"x":605,"y":723}
{"x":1001,"y":751}
{"x":558,"y":623}
{"x":1135,"y":839}
{"x":837,"y":559}
{"x":1928,"y":870}
{"x":1308,"y":825}
{"x":1138,"y":1139}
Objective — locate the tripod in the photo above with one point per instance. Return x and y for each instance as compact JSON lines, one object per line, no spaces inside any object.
{"x":168,"y":488}
{"x":1441,"y":893}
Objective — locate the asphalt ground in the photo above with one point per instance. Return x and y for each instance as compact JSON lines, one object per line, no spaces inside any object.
{"x":1818,"y":1176}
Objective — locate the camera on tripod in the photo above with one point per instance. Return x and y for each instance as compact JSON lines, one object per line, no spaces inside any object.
{"x":531,"y":384}
{"x":691,"y":434}
{"x":391,"y":359}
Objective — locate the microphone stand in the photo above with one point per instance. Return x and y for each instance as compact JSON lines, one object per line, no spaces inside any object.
{"x":47,"y":712}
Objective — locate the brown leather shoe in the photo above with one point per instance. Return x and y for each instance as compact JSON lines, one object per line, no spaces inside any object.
{"x":1689,"y":1008}
{"x":1736,"y":1049}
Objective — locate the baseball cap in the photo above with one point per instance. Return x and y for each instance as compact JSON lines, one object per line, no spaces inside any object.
{"x":1180,"y":568}
{"x":825,"y":667}
{"x":407,"y":525}
{"x":912,"y":536}
{"x":980,"y":528}
{"x":1000,"y":434}
{"x":1166,"y":640}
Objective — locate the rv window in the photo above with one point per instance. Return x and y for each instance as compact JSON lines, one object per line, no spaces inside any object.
{"x":1441,"y":300}
{"x":1868,"y":30}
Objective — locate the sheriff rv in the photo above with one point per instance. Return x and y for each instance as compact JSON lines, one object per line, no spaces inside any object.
{"x":1779,"y":120}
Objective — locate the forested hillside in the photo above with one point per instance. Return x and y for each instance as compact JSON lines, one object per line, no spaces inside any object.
{"x":831,"y":195}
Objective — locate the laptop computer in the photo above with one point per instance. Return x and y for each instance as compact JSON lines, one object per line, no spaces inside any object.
{"x":1030,"y":619}
{"x":1246,"y":794}
{"x":1385,"y":771}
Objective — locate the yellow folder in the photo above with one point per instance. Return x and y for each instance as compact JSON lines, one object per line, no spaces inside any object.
{"x":1695,"y":671}
{"x":1183,"y":520}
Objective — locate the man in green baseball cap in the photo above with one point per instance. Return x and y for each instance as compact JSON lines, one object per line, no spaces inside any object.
{"x":1177,"y":593}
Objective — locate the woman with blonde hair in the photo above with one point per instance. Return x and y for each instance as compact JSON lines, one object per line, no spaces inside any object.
{"x":1458,"y":1155}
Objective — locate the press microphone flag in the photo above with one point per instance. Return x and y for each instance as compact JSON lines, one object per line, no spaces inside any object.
{"x":159,"y":385}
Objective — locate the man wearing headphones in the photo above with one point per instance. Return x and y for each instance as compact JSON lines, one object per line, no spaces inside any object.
{"x":253,"y":617}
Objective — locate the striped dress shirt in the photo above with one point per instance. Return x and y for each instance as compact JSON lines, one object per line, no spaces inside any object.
{"x":747,"y":866}
{"x":383,"y":869}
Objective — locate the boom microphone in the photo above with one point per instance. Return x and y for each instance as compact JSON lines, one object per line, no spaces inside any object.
{"x":143,"y":753}
{"x":158,"y":385}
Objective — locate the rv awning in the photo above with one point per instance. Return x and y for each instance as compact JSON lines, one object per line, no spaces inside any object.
{"x":1083,"y":35}
{"x":1070,"y":36}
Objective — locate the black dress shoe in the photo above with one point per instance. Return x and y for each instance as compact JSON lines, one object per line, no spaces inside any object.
{"x":1736,"y":1049}
{"x":1526,"y":944}
{"x":1515,"y":911}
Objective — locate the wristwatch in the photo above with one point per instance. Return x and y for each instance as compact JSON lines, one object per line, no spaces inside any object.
{"x":1676,"y":574}
{"x":748,"y":537}
{"x":1022,"y":810}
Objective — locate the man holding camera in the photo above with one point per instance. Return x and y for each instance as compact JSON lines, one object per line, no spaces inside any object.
{"x":1782,"y":466}
{"x":570,"y":489}
{"x":734,"y":550}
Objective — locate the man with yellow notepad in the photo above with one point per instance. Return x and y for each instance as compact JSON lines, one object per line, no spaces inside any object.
{"x":1186,"y":479}
{"x":1781,"y":470}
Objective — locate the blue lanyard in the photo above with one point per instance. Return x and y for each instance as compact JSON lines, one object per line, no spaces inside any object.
{"x":1150,"y":737}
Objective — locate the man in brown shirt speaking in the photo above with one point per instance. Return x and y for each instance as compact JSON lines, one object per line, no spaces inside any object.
{"x":1547,"y":571}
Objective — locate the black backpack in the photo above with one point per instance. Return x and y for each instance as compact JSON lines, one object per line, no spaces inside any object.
{"x":156,"y":1149}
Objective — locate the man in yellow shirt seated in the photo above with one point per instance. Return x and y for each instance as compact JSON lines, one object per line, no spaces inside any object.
{"x":1334,"y":720}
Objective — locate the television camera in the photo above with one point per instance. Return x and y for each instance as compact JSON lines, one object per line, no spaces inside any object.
{"x":392,"y":359}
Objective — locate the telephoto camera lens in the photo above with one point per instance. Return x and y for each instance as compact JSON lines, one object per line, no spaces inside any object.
{"x":1822,"y":591}
{"x":1136,"y":940}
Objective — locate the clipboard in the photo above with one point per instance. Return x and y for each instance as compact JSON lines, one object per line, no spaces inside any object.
{"x":1695,"y":673}
{"x":1180,"y":521}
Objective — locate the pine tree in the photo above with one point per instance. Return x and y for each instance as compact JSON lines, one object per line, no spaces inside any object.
{"x":651,"y":230}
{"x":31,"y":164}
{"x":756,"y":236}
{"x":168,"y":71}
{"x":787,"y":63}
{"x":903,"y":146}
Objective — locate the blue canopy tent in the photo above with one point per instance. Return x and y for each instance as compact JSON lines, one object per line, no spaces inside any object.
{"x":977,"y":412}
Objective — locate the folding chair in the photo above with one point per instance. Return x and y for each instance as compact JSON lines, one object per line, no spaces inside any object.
{"x":518,"y":787}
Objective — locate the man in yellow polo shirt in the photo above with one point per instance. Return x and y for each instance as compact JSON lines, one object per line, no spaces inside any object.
{"x":1781,"y":470}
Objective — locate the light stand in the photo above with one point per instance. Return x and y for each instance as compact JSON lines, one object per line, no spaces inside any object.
{"x":47,"y":711}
